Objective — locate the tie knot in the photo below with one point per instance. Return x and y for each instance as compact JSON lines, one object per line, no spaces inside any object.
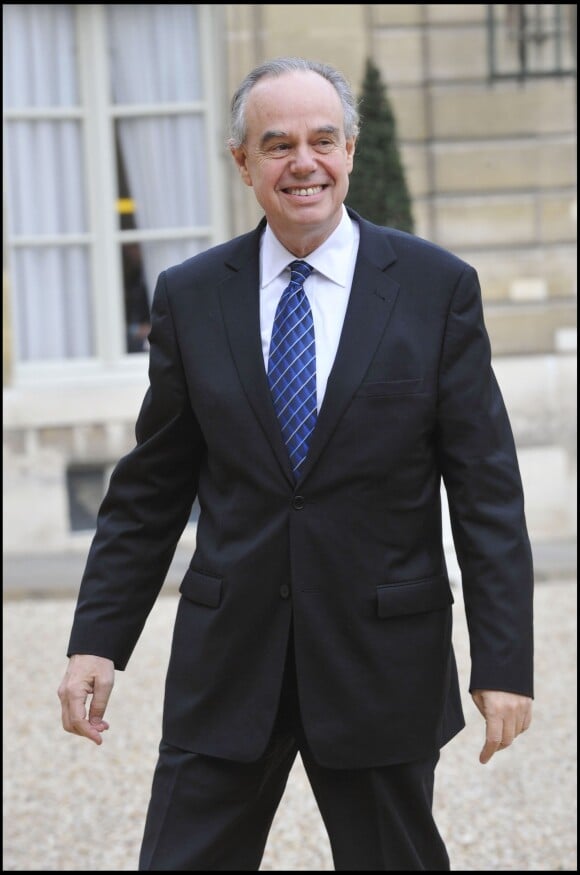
{"x":300,"y":271}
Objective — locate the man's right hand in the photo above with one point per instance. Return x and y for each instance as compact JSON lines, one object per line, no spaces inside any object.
{"x":86,"y":676}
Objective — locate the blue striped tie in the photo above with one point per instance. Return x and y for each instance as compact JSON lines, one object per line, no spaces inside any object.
{"x":292,"y":366}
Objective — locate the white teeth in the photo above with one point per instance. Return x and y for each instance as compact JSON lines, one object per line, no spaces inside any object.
{"x":305,"y":192}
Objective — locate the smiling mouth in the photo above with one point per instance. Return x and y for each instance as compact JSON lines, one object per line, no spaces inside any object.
{"x":305,"y":192}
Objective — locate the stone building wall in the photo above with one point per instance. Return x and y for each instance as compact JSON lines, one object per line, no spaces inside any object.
{"x":491,"y":168}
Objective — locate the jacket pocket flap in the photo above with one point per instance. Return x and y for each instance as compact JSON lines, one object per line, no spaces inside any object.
{"x":390,"y":387}
{"x":201,"y":588}
{"x":414,"y":597}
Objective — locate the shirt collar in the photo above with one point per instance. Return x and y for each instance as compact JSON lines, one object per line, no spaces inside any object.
{"x":332,"y":258}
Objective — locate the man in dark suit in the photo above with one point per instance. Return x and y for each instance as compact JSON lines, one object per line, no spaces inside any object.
{"x":316,"y":613}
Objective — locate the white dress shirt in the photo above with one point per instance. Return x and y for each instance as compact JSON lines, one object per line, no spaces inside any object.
{"x":327,"y":289}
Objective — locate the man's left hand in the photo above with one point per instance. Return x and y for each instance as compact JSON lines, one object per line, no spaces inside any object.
{"x":506,"y":715}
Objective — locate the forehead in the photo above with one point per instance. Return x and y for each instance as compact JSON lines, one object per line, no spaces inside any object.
{"x":297,"y":99}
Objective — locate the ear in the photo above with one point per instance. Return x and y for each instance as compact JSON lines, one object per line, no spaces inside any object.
{"x":241,"y":159}
{"x":350,"y":150}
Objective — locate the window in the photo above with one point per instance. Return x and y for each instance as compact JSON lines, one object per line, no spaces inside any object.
{"x":110,"y":160}
{"x":531,"y":39}
{"x":85,"y":486}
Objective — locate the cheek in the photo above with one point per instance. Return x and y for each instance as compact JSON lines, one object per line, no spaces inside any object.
{"x":262,"y":175}
{"x":341,"y":168}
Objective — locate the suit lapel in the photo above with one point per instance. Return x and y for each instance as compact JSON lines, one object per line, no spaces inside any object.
{"x":240,"y":301}
{"x":371,"y":302}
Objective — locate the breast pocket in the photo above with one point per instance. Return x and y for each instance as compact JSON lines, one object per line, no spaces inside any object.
{"x":386,"y":388}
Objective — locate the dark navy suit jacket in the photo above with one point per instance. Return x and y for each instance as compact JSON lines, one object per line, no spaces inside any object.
{"x":352,"y":553}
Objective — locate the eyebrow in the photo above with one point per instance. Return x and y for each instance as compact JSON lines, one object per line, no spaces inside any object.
{"x":276,"y":135}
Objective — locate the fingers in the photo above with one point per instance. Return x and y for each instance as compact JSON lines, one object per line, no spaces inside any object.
{"x":87,"y":678}
{"x":74,"y":718}
{"x":507,"y":715}
{"x":490,"y":748}
{"x":500,"y":733}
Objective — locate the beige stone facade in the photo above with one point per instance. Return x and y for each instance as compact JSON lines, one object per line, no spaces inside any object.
{"x":491,"y":167}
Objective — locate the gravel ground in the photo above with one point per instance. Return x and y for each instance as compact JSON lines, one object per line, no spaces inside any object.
{"x":70,"y":806}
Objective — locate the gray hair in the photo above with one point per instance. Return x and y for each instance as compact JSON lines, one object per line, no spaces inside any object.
{"x":278,"y":67}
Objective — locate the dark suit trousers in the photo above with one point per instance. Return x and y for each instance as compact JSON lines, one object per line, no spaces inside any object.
{"x":215,"y":815}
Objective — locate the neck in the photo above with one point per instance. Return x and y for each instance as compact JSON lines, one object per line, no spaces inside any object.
{"x":305,"y":240}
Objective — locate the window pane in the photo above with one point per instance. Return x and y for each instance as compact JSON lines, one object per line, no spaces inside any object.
{"x":163,"y":171}
{"x":160,"y":255}
{"x":45,"y":178}
{"x":531,"y":39}
{"x":155,"y":55}
{"x":506,"y":30}
{"x":40,"y":56}
{"x":142,"y":264}
{"x":45,"y":175}
{"x":137,"y":298}
{"x":85,"y":489}
{"x":50,"y":297}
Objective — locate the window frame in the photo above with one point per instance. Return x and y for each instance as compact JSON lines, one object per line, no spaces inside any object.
{"x":97,"y":115}
{"x":525,"y":72}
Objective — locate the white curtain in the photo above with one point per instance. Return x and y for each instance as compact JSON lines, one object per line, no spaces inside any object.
{"x":44,"y":184}
{"x":155,"y":59}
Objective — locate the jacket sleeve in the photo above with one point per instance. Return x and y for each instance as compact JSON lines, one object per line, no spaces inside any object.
{"x":486,"y":503}
{"x":146,"y":507}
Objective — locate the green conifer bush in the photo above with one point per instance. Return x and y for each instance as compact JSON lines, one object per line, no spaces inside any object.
{"x":378,"y":188}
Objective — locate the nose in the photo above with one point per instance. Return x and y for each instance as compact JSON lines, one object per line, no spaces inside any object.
{"x":303,"y":161}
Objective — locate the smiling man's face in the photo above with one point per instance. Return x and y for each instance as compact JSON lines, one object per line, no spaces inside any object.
{"x":296,"y":157}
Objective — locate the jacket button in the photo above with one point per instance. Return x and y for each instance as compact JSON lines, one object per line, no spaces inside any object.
{"x":284,"y":591}
{"x":298,"y":502}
